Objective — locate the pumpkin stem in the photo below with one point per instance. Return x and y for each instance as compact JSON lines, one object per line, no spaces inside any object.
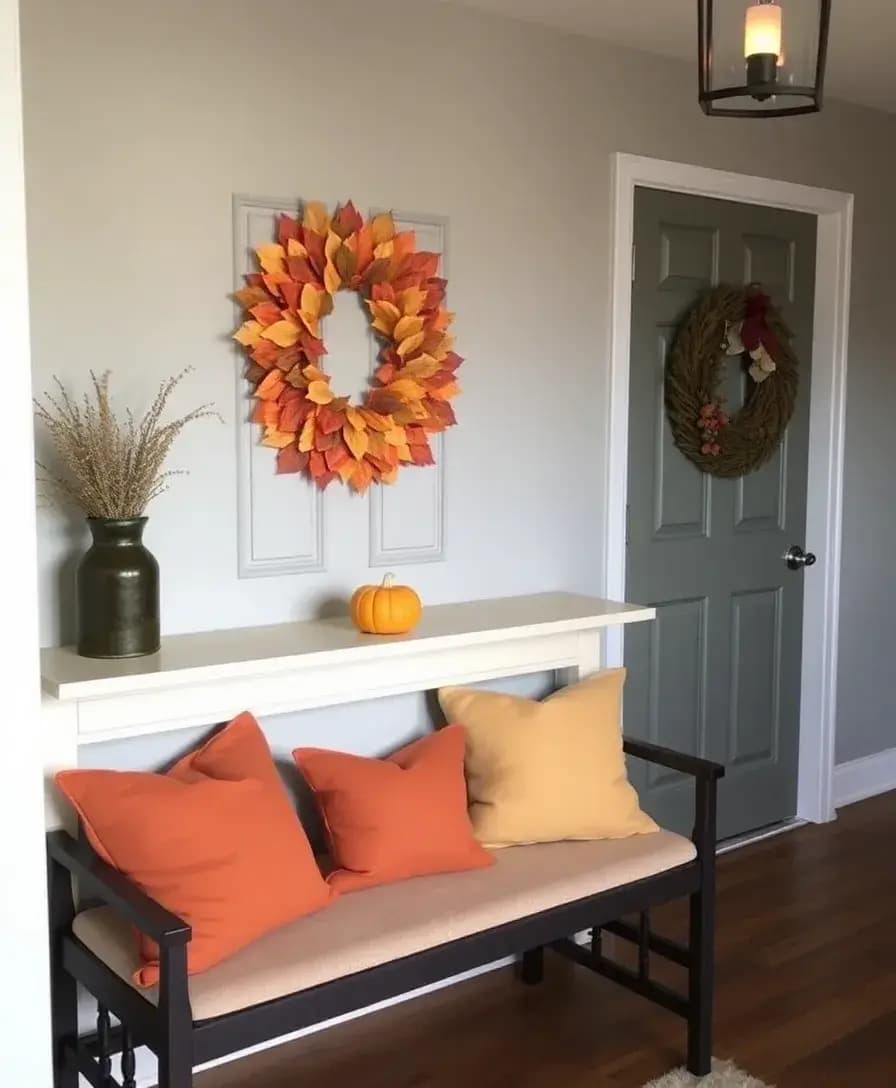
{"x":388,"y":581}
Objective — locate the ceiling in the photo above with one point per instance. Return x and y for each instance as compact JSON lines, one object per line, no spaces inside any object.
{"x":860,"y":65}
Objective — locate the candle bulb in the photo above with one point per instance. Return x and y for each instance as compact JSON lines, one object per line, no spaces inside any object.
{"x":762,"y":44}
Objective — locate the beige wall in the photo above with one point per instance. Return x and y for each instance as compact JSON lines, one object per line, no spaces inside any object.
{"x":142,"y":119}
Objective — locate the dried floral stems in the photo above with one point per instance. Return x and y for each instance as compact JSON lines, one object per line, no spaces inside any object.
{"x":110,"y":467}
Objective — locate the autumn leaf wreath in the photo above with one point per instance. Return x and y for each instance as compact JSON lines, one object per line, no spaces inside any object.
{"x":315,"y":431}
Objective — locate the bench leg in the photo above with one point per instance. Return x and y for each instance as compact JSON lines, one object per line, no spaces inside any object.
{"x":176,"y":1053}
{"x":700,"y":986}
{"x":532,"y":968}
{"x":702,"y":935}
{"x":64,"y":990}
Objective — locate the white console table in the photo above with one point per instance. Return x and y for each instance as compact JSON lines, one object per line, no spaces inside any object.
{"x":205,"y":678}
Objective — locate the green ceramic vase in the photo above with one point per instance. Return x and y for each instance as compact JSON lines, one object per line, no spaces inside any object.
{"x":118,"y":591}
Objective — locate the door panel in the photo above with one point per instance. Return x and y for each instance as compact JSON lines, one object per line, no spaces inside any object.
{"x":718,"y":673}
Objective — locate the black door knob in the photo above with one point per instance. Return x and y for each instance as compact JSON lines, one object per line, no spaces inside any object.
{"x":796,"y":558}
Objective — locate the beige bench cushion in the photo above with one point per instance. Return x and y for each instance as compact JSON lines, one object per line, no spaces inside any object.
{"x":371,"y":927}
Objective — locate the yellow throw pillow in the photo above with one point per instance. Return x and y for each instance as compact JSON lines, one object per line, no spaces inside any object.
{"x":551,"y":770}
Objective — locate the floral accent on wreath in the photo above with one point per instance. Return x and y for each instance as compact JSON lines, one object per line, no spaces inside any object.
{"x":753,"y":336}
{"x":315,"y":431}
{"x":711,"y":420}
{"x":729,"y":321}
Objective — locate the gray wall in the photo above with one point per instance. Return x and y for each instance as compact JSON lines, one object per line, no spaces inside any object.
{"x":143,"y":119}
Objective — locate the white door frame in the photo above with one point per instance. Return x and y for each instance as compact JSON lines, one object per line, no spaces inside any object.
{"x":821,"y":606}
{"x":25,"y":999}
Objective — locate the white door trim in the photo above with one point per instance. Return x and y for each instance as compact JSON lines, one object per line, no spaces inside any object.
{"x":826,"y":429}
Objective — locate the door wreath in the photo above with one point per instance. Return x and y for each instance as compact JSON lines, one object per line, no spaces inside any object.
{"x":314,"y":430}
{"x":731,"y":321}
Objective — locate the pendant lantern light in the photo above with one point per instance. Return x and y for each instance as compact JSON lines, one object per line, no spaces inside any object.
{"x":762,"y":58}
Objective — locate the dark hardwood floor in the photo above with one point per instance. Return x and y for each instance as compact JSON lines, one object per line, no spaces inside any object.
{"x":806,"y":992}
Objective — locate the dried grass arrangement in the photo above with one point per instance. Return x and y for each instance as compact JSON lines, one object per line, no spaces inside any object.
{"x":111,"y":466}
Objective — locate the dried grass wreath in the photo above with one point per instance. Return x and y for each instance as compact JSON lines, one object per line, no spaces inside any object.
{"x":729,"y":321}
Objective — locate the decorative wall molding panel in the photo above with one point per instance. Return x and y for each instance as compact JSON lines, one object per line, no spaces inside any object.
{"x":407,"y":519}
{"x":280,"y":519}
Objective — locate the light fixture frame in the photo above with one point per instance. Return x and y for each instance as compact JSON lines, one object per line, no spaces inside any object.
{"x":710,"y":98}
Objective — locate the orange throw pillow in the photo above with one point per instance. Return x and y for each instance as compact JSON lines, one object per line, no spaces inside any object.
{"x":389,"y":819}
{"x":215,"y":840}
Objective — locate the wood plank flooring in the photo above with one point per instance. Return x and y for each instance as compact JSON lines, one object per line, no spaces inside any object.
{"x":806,"y":992}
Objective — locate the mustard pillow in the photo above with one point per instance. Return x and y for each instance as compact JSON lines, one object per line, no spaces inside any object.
{"x":550,"y":770}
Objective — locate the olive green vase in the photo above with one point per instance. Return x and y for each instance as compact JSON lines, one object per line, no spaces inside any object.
{"x":118,"y":591}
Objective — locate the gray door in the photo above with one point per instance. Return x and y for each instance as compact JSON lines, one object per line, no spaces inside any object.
{"x":718,"y":672}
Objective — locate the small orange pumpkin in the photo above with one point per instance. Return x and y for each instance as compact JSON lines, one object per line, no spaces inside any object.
{"x":387,"y":609}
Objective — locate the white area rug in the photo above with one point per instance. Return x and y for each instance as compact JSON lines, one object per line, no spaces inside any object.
{"x":723,"y":1075}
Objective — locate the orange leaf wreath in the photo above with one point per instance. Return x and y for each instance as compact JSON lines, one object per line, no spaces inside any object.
{"x":313,"y":430}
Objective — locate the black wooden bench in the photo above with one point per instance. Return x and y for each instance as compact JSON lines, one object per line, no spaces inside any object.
{"x":166,"y":1023}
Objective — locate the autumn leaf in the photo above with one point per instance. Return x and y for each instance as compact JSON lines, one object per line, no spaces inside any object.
{"x":294,"y":248}
{"x":335,"y":456}
{"x":311,"y":297}
{"x":276,"y":439}
{"x":317,"y":466}
{"x":288,"y":357}
{"x":315,"y":217}
{"x":347,"y":469}
{"x":345,"y":264}
{"x":312,"y":346}
{"x":386,"y":373}
{"x":347,"y":220}
{"x":290,"y":460}
{"x":248,"y":333}
{"x":411,"y":301}
{"x":385,"y":316}
{"x":361,"y":477}
{"x":290,"y":293}
{"x":424,"y":366}
{"x":266,"y":412}
{"x":377,"y":421}
{"x":254,"y":373}
{"x":293,"y":415}
{"x":271,"y":386}
{"x":382,"y":228}
{"x":314,"y":243}
{"x":451,"y":361}
{"x":446,"y":392}
{"x":357,"y":441}
{"x":319,"y":392}
{"x":248,"y":297}
{"x":314,"y":374}
{"x":396,"y":437}
{"x":265,"y":354}
{"x":363,"y":249}
{"x":355,"y":419}
{"x":410,"y":345}
{"x":332,"y":280}
{"x":407,"y":326}
{"x":422,"y":455}
{"x":404,"y":452}
{"x":329,"y":421}
{"x":282,"y":333}
{"x":378,"y":271}
{"x":306,"y":438}
{"x":266,"y":313}
{"x":271,"y":257}
{"x":384,"y":251}
{"x":300,"y":270}
{"x":406,"y":388}
{"x":287,"y":229}
{"x":324,"y":442}
{"x":383,"y":402}
{"x":403,"y":245}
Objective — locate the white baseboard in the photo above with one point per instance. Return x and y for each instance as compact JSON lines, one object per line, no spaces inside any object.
{"x":865,"y":777}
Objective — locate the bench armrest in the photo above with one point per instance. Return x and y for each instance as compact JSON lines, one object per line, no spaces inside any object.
{"x":707,"y":775}
{"x":675,"y":761}
{"x":116,"y":891}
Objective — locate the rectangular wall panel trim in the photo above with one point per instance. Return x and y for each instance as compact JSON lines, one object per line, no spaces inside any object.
{"x":255,"y":462}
